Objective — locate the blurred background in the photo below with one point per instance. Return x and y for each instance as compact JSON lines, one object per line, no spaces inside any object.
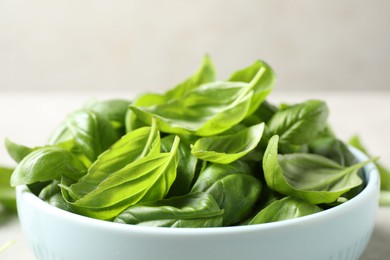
{"x":133,"y":45}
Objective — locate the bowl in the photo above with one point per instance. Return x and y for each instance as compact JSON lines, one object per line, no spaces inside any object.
{"x":341,"y":232}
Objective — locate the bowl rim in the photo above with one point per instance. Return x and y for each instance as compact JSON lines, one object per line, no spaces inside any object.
{"x":372,"y":186}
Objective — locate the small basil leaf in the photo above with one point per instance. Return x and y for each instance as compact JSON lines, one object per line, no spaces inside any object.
{"x":52,"y":195}
{"x":232,"y":186}
{"x":17,"y":151}
{"x":130,"y":147}
{"x":225,"y":149}
{"x":92,"y":132}
{"x":186,"y":168}
{"x":262,"y":88}
{"x":196,"y":210}
{"x":299,"y":124}
{"x":297,"y":175}
{"x":45,"y":164}
{"x":146,"y":179}
{"x":283,"y":209}
{"x":7,"y":193}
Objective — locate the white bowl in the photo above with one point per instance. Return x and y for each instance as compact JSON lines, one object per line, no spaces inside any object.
{"x":341,"y":232}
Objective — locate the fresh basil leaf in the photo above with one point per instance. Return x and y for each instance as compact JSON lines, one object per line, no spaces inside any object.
{"x":52,"y":195}
{"x":208,"y":110}
{"x":17,"y":151}
{"x":225,"y":149}
{"x":283,"y":209}
{"x":205,"y":74}
{"x":300,"y":124}
{"x":7,"y":193}
{"x":262,"y":88}
{"x":132,"y":146}
{"x":333,"y":149}
{"x":232,"y":186}
{"x":186,"y":168}
{"x":197,"y":210}
{"x":46,"y":164}
{"x":146,"y":179}
{"x":113,"y":109}
{"x":92,"y":132}
{"x":298,"y":175}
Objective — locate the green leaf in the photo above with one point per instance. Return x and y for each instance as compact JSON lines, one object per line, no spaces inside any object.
{"x":283,"y":209}
{"x":196,"y":210}
{"x":232,"y":186}
{"x":299,"y":124}
{"x":298,"y":175}
{"x":205,"y":74}
{"x":17,"y":151}
{"x":7,"y":193}
{"x":52,"y":195}
{"x":45,"y":164}
{"x":208,"y":110}
{"x":186,"y":168}
{"x":262,"y":88}
{"x":132,"y":146}
{"x":92,"y":132}
{"x":225,"y":149}
{"x":146,"y":179}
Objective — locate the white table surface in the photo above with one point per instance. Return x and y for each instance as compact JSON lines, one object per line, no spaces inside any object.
{"x":28,"y":118}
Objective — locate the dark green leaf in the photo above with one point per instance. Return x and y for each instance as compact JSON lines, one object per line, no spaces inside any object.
{"x":192,"y":210}
{"x":232,"y":186}
{"x":7,"y":193}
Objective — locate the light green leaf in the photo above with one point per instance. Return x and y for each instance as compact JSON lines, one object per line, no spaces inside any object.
{"x":146,"y":179}
{"x":225,"y":149}
{"x":283,"y":209}
{"x":298,"y":175}
{"x":7,"y":193}
{"x":17,"y":151}
{"x":198,"y":210}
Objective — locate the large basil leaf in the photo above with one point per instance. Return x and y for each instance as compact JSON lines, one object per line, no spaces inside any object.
{"x":197,"y":210}
{"x":146,"y":179}
{"x":7,"y":193}
{"x":46,"y":164}
{"x":298,"y":175}
{"x":299,"y":124}
{"x":283,"y":209}
{"x":262,"y":88}
{"x":208,"y":110}
{"x":232,"y":186}
{"x":92,"y":132}
{"x":186,"y":168}
{"x":17,"y":151}
{"x":225,"y":149}
{"x":132,"y":146}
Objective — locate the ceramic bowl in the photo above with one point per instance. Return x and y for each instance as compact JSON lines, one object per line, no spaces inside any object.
{"x":341,"y":232}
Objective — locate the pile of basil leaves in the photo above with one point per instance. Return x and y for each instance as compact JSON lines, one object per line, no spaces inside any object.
{"x":206,"y":153}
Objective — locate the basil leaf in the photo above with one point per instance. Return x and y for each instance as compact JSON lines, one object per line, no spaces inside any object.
{"x":197,"y":210}
{"x":232,"y":186}
{"x":146,"y":179}
{"x":283,"y":209}
{"x":297,"y":175}
{"x":225,"y":149}
{"x":186,"y":168}
{"x":299,"y":124}
{"x":45,"y":164}
{"x":129,"y":148}
{"x":205,"y":74}
{"x":52,"y":195}
{"x":113,"y":109}
{"x":262,"y":88}
{"x":208,"y":110}
{"x":92,"y":132}
{"x":333,"y":149}
{"x":17,"y":151}
{"x":7,"y":193}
